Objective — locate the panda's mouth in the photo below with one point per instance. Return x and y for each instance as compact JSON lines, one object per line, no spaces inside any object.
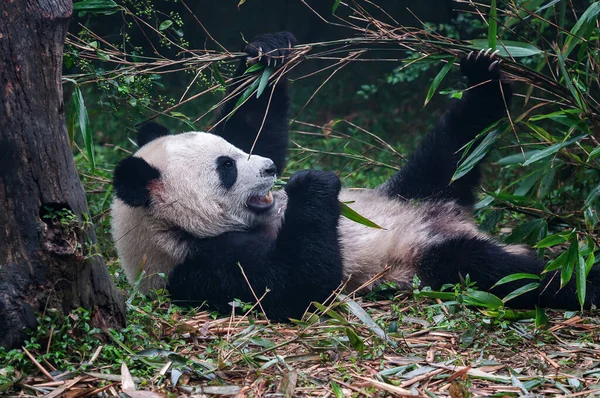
{"x":260,"y":203}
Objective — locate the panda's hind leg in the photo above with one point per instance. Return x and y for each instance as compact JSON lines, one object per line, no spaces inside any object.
{"x":429,"y":171}
{"x":486,"y":262}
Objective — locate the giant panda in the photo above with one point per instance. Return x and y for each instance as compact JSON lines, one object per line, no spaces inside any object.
{"x":200,"y":216}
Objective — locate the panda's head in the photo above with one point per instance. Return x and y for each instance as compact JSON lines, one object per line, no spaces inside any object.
{"x":193,"y":182}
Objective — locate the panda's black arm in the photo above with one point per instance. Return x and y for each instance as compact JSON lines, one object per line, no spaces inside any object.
{"x":245,"y":123}
{"x":428,"y":173}
{"x":301,"y":266}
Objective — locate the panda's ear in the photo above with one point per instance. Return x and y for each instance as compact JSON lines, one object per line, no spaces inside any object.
{"x":149,"y":132}
{"x":133,"y":176}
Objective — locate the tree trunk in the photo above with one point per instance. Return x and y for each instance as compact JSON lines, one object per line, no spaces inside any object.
{"x":47,"y":254}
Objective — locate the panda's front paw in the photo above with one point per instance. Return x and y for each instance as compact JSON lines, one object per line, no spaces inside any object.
{"x":270,"y":49}
{"x":316,"y":185}
{"x":481,"y":66}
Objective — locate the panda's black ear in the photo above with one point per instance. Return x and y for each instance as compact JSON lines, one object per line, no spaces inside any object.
{"x":149,"y":132}
{"x":133,"y":176}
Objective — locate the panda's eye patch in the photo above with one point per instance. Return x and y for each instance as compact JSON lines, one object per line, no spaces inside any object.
{"x":227,"y":171}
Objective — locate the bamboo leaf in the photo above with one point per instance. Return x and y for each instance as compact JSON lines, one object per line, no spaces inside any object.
{"x":520,"y":291}
{"x":254,"y":68}
{"x":350,"y":214}
{"x":552,"y":149}
{"x":337,"y":390}
{"x":552,"y":240}
{"x":477,"y":154}
{"x":438,"y":79}
{"x":84,"y":127}
{"x":492,"y":26}
{"x":541,"y":318}
{"x":592,"y":197}
{"x":247,"y":93}
{"x":589,"y":263}
{"x":264,"y":80}
{"x":580,"y":280}
{"x":583,"y":28}
{"x":483,"y":299}
{"x":103,"y":7}
{"x":165,"y":25}
{"x":509,"y":48}
{"x":362,"y":315}
{"x":572,"y":89}
{"x":516,"y":277}
{"x":336,"y":4}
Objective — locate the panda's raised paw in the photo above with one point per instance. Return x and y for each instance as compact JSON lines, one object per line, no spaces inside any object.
{"x":310,"y":184}
{"x":270,"y":49}
{"x":481,"y":66}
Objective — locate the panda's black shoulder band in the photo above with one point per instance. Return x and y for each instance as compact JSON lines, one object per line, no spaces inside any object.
{"x":149,"y":132}
{"x":132,"y":178}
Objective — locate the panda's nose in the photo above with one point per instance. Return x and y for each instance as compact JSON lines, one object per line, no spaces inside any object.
{"x":269,"y":171}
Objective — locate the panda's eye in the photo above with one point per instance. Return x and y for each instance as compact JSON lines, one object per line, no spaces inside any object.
{"x":225,"y":162}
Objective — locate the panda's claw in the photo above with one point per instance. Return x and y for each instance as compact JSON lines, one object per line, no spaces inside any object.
{"x":485,"y":54}
{"x":493,"y":55}
{"x":479,"y":55}
{"x":469,"y":55}
{"x":493,"y":65}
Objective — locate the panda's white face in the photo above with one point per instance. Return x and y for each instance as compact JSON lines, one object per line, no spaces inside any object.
{"x":207,"y":186}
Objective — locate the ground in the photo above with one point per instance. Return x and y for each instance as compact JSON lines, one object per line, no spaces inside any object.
{"x":399,"y":346}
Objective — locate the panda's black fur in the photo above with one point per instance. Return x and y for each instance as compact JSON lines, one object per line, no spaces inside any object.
{"x":302,"y":256}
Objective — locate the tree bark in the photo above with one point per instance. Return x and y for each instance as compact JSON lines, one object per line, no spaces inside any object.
{"x":47,"y":258}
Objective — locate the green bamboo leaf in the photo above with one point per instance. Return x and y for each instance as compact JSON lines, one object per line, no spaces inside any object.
{"x":563,"y":70}
{"x":165,"y":25}
{"x":355,"y":340}
{"x":589,"y":263}
{"x":247,"y":93}
{"x":516,"y":277}
{"x":583,"y":28}
{"x":541,"y":318}
{"x":84,"y":127}
{"x":552,"y":240}
{"x":483,"y":299}
{"x":362,"y":315}
{"x":566,"y":271}
{"x":254,"y":68}
{"x":264,"y":80}
{"x":580,"y":280}
{"x":552,"y":149}
{"x":594,"y":153}
{"x":522,"y":290}
{"x":350,"y":214}
{"x":492,"y":26}
{"x":438,"y":79}
{"x":337,"y":390}
{"x":592,"y":197}
{"x":103,"y":7}
{"x":336,"y":4}
{"x":476,"y":155}
{"x":509,"y":48}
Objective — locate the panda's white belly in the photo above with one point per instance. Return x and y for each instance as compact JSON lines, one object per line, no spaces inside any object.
{"x":408,"y":229}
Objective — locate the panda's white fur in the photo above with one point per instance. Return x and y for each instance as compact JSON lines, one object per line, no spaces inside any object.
{"x":189,"y":197}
